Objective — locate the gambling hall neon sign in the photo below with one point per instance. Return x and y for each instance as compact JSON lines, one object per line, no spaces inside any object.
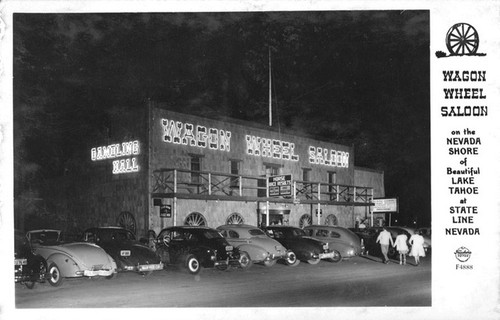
{"x":125,"y":151}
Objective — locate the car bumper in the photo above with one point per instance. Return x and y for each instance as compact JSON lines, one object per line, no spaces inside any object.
{"x":228,"y":262}
{"x":276,"y":256}
{"x":145,"y":267}
{"x":328,"y":255}
{"x":95,"y":273}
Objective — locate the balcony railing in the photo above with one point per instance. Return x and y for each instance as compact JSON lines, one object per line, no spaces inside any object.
{"x":185,"y":183}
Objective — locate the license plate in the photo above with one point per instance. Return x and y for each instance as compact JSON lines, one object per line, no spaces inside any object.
{"x":329,"y":255}
{"x":151,"y":267}
{"x":229,"y":248}
{"x":20,"y":262}
{"x":125,"y":253}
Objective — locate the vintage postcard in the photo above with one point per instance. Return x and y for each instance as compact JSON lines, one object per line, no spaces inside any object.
{"x":250,"y":159}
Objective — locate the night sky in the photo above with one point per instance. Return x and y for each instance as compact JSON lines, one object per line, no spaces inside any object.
{"x":354,"y":78}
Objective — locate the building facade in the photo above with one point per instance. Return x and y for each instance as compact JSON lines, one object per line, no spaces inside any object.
{"x":161,"y":168}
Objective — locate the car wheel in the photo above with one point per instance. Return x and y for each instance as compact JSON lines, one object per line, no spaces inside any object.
{"x":192,"y":264}
{"x":269,"y":263}
{"x":245,"y":261}
{"x":55,"y":277}
{"x":222,"y":267}
{"x":313,"y":261}
{"x":291,"y":259}
{"x":337,"y":257}
{"x":30,"y":284}
{"x":111,"y":276}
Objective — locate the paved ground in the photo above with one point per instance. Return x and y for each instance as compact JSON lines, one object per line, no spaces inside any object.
{"x":360,"y":282}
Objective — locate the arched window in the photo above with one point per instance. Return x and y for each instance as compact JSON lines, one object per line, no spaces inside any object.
{"x":195,"y":219}
{"x":305,"y":221}
{"x":235,"y":218}
{"x":331,"y":220}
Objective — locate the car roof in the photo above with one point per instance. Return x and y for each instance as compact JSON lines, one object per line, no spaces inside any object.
{"x":237,"y":226}
{"x":108,"y":227}
{"x":187,"y":228}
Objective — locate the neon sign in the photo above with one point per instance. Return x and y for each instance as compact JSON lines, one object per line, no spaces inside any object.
{"x":271,"y":148}
{"x":333,"y":158}
{"x":177,"y":132}
{"x":118,"y":150}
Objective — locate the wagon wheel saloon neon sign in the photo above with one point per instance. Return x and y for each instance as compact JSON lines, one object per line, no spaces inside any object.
{"x":177,"y":132}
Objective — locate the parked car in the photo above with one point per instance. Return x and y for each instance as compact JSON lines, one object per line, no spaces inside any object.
{"x":28,"y":267}
{"x":369,"y":236}
{"x":259,"y":246}
{"x":128,"y":253}
{"x":306,"y":248}
{"x":341,"y":239}
{"x":194,"y":247}
{"x":70,"y":260}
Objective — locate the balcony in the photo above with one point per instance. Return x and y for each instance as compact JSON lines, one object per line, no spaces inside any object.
{"x":187,"y":184}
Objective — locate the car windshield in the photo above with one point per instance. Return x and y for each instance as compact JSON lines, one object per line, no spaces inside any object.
{"x":256,"y":232}
{"x":297,"y":233}
{"x":212,"y":234}
{"x":45,"y":237}
{"x":115,"y":235}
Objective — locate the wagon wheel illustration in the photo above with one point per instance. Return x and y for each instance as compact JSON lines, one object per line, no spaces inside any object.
{"x":126,"y":220}
{"x":195,"y":219}
{"x":305,"y":221}
{"x":462,"y":39}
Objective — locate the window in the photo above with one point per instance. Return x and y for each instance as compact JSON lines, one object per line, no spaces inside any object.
{"x":235,"y":170}
{"x":306,"y":173}
{"x":195,"y":167}
{"x":272,"y":170}
{"x":332,"y":179}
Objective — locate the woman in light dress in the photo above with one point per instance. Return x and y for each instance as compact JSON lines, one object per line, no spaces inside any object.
{"x":401,"y":246}
{"x":417,"y":247}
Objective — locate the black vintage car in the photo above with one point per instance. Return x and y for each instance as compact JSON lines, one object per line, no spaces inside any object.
{"x":195,"y":247}
{"x":369,"y":238}
{"x":306,"y":248}
{"x":128,"y":253}
{"x":28,"y":267}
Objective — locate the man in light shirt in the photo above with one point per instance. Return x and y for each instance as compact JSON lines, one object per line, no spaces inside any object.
{"x":385,"y":238}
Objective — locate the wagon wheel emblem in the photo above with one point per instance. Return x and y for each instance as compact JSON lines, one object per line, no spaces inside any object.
{"x":126,"y":220}
{"x":305,"y":221}
{"x":235,"y":219}
{"x":462,"y":39}
{"x":195,"y":219}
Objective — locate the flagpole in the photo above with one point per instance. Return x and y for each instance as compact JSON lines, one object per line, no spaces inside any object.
{"x":270,"y":93}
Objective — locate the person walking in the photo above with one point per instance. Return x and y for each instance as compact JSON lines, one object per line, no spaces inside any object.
{"x":417,"y":247}
{"x":402,"y":247}
{"x":385,"y":239}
